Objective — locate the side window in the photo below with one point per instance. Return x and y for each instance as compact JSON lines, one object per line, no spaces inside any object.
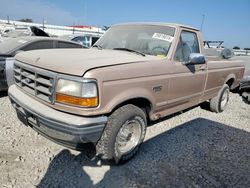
{"x":190,"y":39}
{"x":94,"y":39}
{"x":188,"y":44}
{"x":39,"y":45}
{"x":78,"y":40}
{"x":83,"y":40}
{"x":178,"y":56}
{"x":67,"y":45}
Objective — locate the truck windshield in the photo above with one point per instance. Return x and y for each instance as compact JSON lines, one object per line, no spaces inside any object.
{"x":147,"y":39}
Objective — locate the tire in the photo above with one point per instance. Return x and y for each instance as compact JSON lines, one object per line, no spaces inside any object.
{"x":124,"y":119}
{"x":219,"y":103}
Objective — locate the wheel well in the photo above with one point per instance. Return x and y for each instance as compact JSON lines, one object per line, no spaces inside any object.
{"x":142,"y":103}
{"x":230,"y":82}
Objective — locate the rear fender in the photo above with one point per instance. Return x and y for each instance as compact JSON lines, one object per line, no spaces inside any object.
{"x":233,"y":78}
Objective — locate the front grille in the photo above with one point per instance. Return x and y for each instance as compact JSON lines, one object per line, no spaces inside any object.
{"x":35,"y":81}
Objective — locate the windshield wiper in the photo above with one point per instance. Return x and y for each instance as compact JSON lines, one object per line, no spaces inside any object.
{"x":97,"y":46}
{"x":130,"y":50}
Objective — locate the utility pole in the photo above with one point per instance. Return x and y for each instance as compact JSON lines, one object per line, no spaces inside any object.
{"x":84,"y":12}
{"x":44,"y":22}
{"x":202,"y":22}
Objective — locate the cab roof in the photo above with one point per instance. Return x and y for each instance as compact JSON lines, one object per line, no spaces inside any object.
{"x":159,"y":24}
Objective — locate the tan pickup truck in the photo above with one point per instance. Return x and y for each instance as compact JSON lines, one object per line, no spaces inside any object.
{"x":106,"y":95}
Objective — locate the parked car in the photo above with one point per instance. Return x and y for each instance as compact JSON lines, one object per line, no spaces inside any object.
{"x":245,"y":81}
{"x":9,"y":48}
{"x":106,"y":95}
{"x":5,"y":31}
{"x":86,"y":40}
{"x":25,"y":31}
{"x":217,"y":50}
{"x":245,"y":87}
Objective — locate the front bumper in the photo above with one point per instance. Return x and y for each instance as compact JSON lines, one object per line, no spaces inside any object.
{"x":245,"y":83}
{"x":69,"y":130}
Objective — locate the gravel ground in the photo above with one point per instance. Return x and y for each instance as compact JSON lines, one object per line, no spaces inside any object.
{"x":196,"y":148}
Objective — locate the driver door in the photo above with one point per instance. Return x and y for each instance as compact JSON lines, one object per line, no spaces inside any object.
{"x":187,"y":84}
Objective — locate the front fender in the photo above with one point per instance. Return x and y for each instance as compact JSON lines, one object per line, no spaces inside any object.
{"x":130,"y":94}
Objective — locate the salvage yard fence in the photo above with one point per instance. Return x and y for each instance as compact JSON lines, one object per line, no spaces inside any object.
{"x":242,"y":52}
{"x":53,"y":29}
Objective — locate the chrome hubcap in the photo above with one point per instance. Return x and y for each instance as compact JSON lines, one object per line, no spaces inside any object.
{"x":128,"y":136}
{"x":224,"y":99}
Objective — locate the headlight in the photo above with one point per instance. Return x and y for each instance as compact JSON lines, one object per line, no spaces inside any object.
{"x":82,"y":94}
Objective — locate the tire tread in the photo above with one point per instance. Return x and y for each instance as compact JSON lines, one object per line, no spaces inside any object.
{"x":103,"y":146}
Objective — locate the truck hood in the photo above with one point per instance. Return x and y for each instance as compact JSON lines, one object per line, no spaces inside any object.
{"x":78,"y":61}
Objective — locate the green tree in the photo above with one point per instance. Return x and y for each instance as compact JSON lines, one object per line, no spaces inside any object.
{"x":236,"y":48}
{"x":28,"y":20}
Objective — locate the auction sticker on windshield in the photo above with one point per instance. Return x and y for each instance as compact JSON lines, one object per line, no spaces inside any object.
{"x":162,"y":36}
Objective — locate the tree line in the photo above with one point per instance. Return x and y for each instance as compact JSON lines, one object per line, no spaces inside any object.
{"x":238,"y":48}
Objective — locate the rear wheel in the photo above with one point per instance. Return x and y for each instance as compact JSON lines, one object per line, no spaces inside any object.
{"x":219,"y":103}
{"x":123,"y":134}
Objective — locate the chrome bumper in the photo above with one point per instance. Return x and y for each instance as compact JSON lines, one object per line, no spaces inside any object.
{"x":63,"y":128}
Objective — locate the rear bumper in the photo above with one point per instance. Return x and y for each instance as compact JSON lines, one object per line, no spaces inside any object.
{"x":245,"y":83}
{"x":69,"y":130}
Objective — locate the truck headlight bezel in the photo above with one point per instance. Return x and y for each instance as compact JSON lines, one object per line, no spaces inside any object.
{"x":79,"y":93}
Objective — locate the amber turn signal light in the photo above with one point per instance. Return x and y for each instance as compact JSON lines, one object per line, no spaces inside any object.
{"x":78,"y":101}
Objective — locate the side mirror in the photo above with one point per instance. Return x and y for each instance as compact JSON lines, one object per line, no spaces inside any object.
{"x":195,"y":58}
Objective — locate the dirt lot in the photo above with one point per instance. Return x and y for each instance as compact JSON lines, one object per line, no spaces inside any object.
{"x":196,"y":148}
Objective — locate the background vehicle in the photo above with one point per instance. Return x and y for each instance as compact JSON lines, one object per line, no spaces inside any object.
{"x":217,"y":50}
{"x":10,"y":47}
{"x":134,"y":73}
{"x":245,"y":81}
{"x":22,"y":32}
{"x":25,"y":31}
{"x":86,"y":40}
{"x":5,"y":31}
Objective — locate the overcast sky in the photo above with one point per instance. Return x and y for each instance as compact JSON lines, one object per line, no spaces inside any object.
{"x":227,"y":20}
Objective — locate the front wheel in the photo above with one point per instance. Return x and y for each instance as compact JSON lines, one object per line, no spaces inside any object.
{"x":123,"y":134}
{"x":219,"y":103}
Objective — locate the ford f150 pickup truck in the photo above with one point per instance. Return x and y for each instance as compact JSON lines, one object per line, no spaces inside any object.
{"x":106,"y":95}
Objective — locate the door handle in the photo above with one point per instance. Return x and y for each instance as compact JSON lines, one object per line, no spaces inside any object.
{"x":202,"y":68}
